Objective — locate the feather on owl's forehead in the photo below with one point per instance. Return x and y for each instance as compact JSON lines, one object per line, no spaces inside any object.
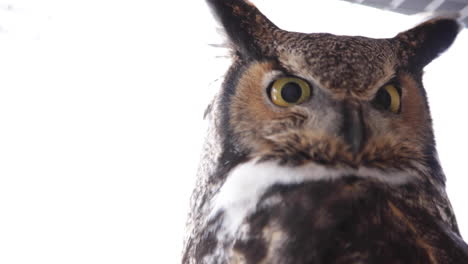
{"x":340,"y":63}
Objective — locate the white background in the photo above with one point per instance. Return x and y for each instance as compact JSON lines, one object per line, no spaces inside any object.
{"x":101,"y":107}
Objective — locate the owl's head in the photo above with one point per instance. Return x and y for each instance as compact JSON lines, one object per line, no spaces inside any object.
{"x":341,"y":101}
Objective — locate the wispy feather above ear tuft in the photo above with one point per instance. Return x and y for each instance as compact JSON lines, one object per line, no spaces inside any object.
{"x":428,"y":40}
{"x":249,"y":31}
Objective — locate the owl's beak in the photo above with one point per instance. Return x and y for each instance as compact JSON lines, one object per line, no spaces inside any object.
{"x":353,"y":126}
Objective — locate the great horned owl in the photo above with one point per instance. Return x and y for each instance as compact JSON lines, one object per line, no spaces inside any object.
{"x":321,"y":150}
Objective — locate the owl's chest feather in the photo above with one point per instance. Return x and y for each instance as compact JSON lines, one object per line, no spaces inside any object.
{"x":314,"y":214}
{"x":247,"y":184}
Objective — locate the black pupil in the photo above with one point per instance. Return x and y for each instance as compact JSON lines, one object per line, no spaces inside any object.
{"x":383,"y":99}
{"x":291,"y":92}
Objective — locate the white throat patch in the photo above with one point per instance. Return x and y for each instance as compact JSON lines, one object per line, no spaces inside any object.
{"x":247,"y":183}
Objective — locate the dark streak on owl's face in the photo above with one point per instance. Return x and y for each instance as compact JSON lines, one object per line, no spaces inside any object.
{"x":339,"y":124}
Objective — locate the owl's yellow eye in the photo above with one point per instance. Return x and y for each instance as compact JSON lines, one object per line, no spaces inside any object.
{"x":289,"y":91}
{"x":388,"y":98}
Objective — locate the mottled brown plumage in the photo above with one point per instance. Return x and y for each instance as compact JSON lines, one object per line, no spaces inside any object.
{"x":337,"y":178}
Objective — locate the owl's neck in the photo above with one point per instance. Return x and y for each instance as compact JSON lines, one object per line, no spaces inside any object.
{"x":248,"y":182}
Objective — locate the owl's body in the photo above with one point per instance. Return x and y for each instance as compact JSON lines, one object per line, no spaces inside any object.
{"x":321,"y":150}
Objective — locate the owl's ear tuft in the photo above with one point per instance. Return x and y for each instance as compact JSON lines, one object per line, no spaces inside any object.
{"x":428,"y":40}
{"x":248,"y":30}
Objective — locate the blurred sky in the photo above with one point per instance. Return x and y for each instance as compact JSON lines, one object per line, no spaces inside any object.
{"x":101,"y":106}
